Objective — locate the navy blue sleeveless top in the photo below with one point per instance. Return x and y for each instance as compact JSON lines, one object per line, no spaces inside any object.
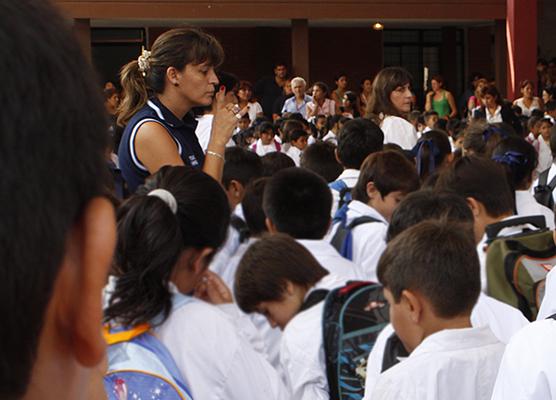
{"x":182,"y":131}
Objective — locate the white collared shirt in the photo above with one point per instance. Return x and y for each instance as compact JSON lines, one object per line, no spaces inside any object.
{"x":331,"y":260}
{"x":369,"y":239}
{"x":503,"y":320}
{"x":493,"y":118}
{"x":302,"y":350}
{"x":548,"y":304}
{"x":528,"y":368}
{"x":451,"y":364}
{"x":330,"y":137}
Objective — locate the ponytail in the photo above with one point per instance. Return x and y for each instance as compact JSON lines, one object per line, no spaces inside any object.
{"x":134,"y":90}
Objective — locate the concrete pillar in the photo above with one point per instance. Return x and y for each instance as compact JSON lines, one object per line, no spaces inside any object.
{"x":521,"y":33}
{"x":500,"y":56}
{"x":82,"y":31}
{"x":300,"y":48}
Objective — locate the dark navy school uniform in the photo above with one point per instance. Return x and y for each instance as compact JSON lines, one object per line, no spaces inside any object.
{"x":182,"y":131}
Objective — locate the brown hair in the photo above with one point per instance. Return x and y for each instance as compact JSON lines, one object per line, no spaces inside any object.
{"x":266,"y":267}
{"x":390,"y":171}
{"x":174,"y":48}
{"x":387,"y":80}
{"x":438,"y":259}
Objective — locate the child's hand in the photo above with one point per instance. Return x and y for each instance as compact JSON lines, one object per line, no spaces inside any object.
{"x":213,"y":290}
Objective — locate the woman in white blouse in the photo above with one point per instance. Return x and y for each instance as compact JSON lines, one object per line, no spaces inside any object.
{"x":390,"y":102}
{"x":528,"y":102}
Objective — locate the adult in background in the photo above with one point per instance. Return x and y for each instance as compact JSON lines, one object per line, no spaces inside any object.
{"x":321,"y":104}
{"x":160,"y":88}
{"x":341,"y":82}
{"x":440,"y":100}
{"x":390,"y":103}
{"x":279,"y":102}
{"x":365,"y":94}
{"x":245,"y":99}
{"x":528,"y":102}
{"x":268,"y":89}
{"x":496,"y":110}
{"x":298,"y":103}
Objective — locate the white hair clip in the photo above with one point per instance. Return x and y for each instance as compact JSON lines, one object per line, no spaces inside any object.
{"x":143,"y":61}
{"x":166,"y":197}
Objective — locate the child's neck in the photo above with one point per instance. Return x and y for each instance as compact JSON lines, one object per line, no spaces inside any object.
{"x":440,"y":324}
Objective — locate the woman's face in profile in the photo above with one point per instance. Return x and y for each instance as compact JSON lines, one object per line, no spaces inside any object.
{"x":401,"y":98}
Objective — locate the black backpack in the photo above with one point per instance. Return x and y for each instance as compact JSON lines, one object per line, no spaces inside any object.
{"x":353,"y":316}
{"x":543,"y":191}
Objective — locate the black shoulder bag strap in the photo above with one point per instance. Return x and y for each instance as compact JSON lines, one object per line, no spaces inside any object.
{"x":315,"y":297}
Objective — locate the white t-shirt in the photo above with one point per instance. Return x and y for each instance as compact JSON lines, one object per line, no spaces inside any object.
{"x":204,"y":130}
{"x":254,"y":109}
{"x":455,"y":364}
{"x":295,"y":154}
{"x":526,"y":111}
{"x":262,"y":149}
{"x":350,"y":177}
{"x":548,"y":304}
{"x":302,"y":350}
{"x":399,"y":131}
{"x":528,"y":368}
{"x":330,"y":137}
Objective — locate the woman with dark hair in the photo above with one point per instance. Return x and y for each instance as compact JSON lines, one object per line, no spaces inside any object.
{"x":349,"y":105}
{"x":159,"y":90}
{"x":548,"y":94}
{"x":528,"y":102}
{"x":167,"y":234}
{"x":440,"y":100}
{"x":321,"y":104}
{"x":245,"y":99}
{"x":390,"y":102}
{"x":519,"y":159}
{"x":495,"y":110}
{"x":341,"y":82}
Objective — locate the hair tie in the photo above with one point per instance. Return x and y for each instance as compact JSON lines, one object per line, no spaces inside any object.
{"x":417,"y":152}
{"x":511,"y":158}
{"x":492,"y":130}
{"x":166,"y":197}
{"x":143,"y":61}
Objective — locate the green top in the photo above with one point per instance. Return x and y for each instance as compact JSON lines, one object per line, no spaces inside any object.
{"x":442,"y":107}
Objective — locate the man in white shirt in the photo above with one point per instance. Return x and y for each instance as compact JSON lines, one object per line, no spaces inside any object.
{"x":430,"y":308}
{"x":358,"y":138}
{"x":297,"y":202}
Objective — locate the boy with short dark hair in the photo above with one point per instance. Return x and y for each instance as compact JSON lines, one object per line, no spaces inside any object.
{"x":298,"y":143}
{"x":320,"y":158}
{"x":483,"y":183}
{"x":297,"y":202}
{"x":267,"y":284}
{"x":431,"y":119}
{"x":358,"y":138}
{"x":430,"y":308}
{"x":385,"y":179}
{"x":503,"y":320}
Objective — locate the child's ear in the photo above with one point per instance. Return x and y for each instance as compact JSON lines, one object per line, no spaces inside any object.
{"x":475,"y":206}
{"x":372,"y":191}
{"x":413,"y":305}
{"x":236,"y":189}
{"x":200,"y":259}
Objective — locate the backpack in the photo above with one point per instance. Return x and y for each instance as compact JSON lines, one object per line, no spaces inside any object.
{"x":543,"y":191}
{"x":140,"y":366}
{"x":517,"y":264}
{"x":343,"y":238}
{"x":241,"y":227}
{"x":353,"y":316}
{"x":345,"y":192}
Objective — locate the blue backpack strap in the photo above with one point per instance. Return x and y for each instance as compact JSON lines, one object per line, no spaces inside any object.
{"x":343,"y":238}
{"x":344,"y":191}
{"x":151,"y":343}
{"x":338,"y":185}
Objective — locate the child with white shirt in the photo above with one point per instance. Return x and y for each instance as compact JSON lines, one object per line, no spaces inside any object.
{"x":298,"y":143}
{"x":431,"y":280}
{"x":502,"y":319}
{"x":266,"y":143}
{"x":297,"y":201}
{"x":358,"y":138}
{"x":167,"y":234}
{"x":385,"y":179}
{"x":275,"y":277}
{"x":519,"y":159}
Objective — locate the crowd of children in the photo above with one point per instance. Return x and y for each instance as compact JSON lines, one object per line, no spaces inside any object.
{"x":220,"y":275}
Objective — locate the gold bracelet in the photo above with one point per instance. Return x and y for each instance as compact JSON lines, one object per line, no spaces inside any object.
{"x":215,"y":154}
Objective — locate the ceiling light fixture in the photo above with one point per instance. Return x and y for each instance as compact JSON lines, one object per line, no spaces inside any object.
{"x":377,"y":26}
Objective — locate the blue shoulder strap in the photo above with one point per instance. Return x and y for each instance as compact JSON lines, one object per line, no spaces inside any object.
{"x":338,"y":185}
{"x":151,"y":343}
